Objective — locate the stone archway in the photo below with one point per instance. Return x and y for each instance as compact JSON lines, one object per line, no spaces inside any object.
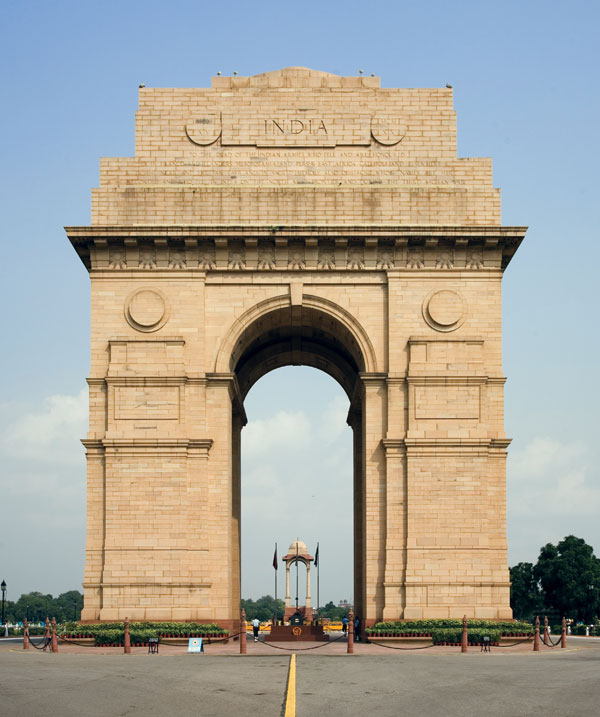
{"x":264,"y":222}
{"x":311,"y":332}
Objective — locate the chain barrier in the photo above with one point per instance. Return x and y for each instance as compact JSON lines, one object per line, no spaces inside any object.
{"x":520,"y":642}
{"x":210,"y":640}
{"x":553,"y":644}
{"x":391,"y":647}
{"x":300,"y":649}
{"x":43,"y":645}
{"x":64,"y":638}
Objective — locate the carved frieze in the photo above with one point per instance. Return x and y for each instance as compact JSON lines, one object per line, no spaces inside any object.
{"x":117,"y":259}
{"x":237,"y":255}
{"x":326,"y":255}
{"x":445,"y":259}
{"x":474,"y":258}
{"x":293,"y":251}
{"x":385,"y":256}
{"x":356,"y":256}
{"x":147,"y":257}
{"x":266,"y":254}
{"x":415,"y":258}
{"x":207,"y":255}
{"x":177,"y":258}
{"x":296,"y":257}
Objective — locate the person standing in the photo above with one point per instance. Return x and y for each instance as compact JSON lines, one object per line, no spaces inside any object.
{"x":344,"y":624}
{"x":255,"y":628}
{"x":357,"y":629}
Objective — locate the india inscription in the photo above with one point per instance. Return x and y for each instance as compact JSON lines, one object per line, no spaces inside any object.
{"x":295,"y":217}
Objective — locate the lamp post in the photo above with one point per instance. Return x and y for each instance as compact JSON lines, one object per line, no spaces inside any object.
{"x":27,"y":612}
{"x":3,"y":588}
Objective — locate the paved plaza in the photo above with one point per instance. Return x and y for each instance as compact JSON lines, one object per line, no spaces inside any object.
{"x":438,"y":681}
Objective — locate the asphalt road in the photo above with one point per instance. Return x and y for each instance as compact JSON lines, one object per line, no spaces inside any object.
{"x":563,"y":683}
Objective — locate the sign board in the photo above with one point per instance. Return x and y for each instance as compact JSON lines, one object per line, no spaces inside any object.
{"x":195,"y":644}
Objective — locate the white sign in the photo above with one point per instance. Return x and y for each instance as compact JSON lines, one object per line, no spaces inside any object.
{"x":195,"y":644}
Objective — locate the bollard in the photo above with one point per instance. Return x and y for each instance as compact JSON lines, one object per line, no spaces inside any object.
{"x":563,"y":633}
{"x":25,"y":634}
{"x":536,"y":639}
{"x":546,"y":632}
{"x":350,"y":632}
{"x":54,"y":638}
{"x":464,"y":646}
{"x":127,"y":638}
{"x":243,"y":633}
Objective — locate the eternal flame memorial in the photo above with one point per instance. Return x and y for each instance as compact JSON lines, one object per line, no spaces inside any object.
{"x":295,"y":218}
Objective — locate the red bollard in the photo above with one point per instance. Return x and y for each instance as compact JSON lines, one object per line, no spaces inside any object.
{"x":350,"y":649}
{"x":243,"y":633}
{"x":563,"y":633}
{"x":54,"y":638}
{"x":546,"y":632}
{"x":25,"y":634}
{"x":127,"y":638}
{"x":536,"y":639}
{"x":464,"y":646}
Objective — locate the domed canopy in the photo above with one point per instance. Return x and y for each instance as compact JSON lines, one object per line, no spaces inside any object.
{"x":298,"y":549}
{"x":298,"y":546}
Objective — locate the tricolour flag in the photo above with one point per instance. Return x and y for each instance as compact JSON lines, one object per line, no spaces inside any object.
{"x":275,"y":557}
{"x":317,"y":556}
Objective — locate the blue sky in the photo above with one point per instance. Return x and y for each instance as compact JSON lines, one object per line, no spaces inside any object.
{"x":526,"y":94}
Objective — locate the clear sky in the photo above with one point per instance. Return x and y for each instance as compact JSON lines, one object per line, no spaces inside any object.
{"x":525,"y":77}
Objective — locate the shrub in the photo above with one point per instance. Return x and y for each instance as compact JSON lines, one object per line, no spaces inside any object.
{"x":426,"y":627}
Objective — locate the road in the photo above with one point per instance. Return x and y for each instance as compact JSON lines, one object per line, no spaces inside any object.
{"x":557,"y":683}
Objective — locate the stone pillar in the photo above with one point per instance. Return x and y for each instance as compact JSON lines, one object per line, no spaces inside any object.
{"x":373,"y":428}
{"x":288,"y":601}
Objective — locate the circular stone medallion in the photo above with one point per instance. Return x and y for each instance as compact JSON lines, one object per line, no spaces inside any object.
{"x":388,"y":130}
{"x":444,"y":310}
{"x":146,"y":310}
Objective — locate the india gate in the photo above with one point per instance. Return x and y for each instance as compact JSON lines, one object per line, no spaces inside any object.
{"x":295,"y":217}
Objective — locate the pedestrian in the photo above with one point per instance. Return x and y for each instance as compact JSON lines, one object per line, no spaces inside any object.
{"x":357,"y":629}
{"x":255,"y":628}
{"x":344,"y":624}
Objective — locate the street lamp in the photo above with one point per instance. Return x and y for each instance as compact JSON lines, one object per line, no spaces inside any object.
{"x":3,"y":588}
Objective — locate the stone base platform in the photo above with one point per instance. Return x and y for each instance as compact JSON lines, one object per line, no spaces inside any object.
{"x":285,"y":633}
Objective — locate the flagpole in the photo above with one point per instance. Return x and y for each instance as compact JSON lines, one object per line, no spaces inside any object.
{"x":318,"y":571}
{"x":296,"y":575}
{"x":275,"y":565}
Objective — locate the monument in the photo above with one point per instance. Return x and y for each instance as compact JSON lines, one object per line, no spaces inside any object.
{"x":297,"y":553}
{"x":295,"y":217}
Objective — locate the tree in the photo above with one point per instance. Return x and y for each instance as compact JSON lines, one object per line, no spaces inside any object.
{"x":525,"y":594}
{"x":264,"y":608}
{"x":569,"y":574}
{"x":333,"y":612}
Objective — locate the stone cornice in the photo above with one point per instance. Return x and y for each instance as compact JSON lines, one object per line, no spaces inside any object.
{"x":391,"y":249}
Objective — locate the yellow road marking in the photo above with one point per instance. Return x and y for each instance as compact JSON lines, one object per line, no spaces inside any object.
{"x":290,"y":702}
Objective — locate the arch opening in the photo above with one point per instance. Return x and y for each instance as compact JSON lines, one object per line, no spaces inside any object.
{"x":303,"y":336}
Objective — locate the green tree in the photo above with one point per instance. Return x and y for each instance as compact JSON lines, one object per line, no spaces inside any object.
{"x":569,"y":574}
{"x":264,"y":608}
{"x":333,"y":612}
{"x":525,"y":593}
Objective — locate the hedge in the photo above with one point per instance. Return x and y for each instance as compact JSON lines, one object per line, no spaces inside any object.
{"x":425,"y":628}
{"x":109,"y":633}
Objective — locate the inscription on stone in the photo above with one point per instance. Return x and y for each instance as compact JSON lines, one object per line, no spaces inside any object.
{"x":294,"y":128}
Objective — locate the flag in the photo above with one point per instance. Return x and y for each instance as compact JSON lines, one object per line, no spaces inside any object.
{"x":317,"y":556}
{"x":275,"y":557}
